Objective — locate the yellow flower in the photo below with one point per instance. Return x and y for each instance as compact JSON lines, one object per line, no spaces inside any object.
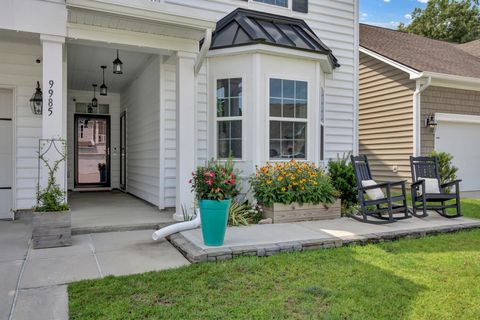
{"x":280,"y":178}
{"x":302,"y":187}
{"x":284,"y":189}
{"x":269,"y":181}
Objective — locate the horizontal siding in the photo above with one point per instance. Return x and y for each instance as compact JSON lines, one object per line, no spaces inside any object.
{"x":18,"y":69}
{"x":385,"y":118}
{"x":142,"y":102}
{"x":445,"y":100}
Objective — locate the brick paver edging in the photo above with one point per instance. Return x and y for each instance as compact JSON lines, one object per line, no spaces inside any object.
{"x":196,"y":254}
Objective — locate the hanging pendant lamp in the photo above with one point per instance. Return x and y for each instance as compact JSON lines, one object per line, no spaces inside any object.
{"x":117,"y":65}
{"x":103,"y":87}
{"x":94,"y":104}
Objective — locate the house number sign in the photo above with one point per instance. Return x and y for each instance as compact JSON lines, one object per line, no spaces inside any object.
{"x":50,"y":97}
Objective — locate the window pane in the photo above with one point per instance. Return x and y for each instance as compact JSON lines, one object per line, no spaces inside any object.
{"x":235,"y":87}
{"x":235,"y":107}
{"x":223,"y":148}
{"x":301,"y":90}
{"x":274,"y":149}
{"x":274,"y":129}
{"x":287,"y":148}
{"x":288,"y":108}
{"x":222,"y":108}
{"x":299,"y":150}
{"x":288,"y":89}
{"x":287,"y":130}
{"x":276,"y":88}
{"x":222,"y":88}
{"x":281,"y":3}
{"x":223,"y":129}
{"x":236,"y":129}
{"x":236,"y":148}
{"x":275,"y":107}
{"x":300,"y":109}
{"x":299,"y":129}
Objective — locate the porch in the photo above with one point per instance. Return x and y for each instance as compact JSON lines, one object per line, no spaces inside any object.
{"x":94,"y":212}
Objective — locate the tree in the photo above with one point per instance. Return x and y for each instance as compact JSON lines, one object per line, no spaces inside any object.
{"x":449,"y":20}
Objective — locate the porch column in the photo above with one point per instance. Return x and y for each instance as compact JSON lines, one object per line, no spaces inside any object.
{"x":185,"y":95}
{"x":54,"y":101}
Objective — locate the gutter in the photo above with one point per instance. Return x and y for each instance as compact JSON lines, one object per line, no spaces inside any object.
{"x":207,"y":41}
{"x":417,"y":113}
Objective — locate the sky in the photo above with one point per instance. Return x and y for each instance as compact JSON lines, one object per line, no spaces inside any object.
{"x":388,"y":13}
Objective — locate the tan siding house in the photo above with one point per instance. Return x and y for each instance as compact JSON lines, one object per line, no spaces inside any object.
{"x":417,"y":95}
{"x":385,"y":118}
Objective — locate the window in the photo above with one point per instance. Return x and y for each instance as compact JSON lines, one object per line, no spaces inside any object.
{"x":280,"y":3}
{"x":288,"y":119}
{"x":229,"y":118}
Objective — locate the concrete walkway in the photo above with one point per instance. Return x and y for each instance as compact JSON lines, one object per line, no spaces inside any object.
{"x":33,"y":282}
{"x":114,"y":211}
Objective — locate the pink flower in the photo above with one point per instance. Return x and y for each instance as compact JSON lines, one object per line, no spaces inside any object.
{"x":227,"y":182}
{"x":209,"y":182}
{"x":189,"y":180}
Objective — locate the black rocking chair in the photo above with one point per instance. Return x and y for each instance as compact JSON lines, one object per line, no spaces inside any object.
{"x":386,"y":207}
{"x":427,"y":167}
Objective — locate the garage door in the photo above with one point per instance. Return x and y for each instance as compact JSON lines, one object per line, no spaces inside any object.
{"x":6,"y":159}
{"x":462,"y":140}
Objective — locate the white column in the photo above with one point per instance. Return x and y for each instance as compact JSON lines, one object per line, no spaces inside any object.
{"x":185,"y":95}
{"x":54,"y":106}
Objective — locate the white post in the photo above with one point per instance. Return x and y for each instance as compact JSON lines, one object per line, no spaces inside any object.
{"x":185,"y":95}
{"x":54,"y":107}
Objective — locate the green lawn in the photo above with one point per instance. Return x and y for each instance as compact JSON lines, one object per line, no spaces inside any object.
{"x":430,"y":278}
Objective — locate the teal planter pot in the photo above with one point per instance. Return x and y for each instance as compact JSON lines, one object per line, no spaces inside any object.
{"x":214,"y":217}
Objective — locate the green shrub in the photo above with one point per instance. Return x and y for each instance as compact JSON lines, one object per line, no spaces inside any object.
{"x":448,"y":172}
{"x":343,"y":179}
{"x":243,"y":214}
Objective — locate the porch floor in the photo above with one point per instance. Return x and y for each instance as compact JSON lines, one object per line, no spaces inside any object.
{"x":114,"y":211}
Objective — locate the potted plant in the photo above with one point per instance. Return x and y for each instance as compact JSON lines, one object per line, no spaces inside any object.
{"x":295,"y":191}
{"x":51,"y":218}
{"x":214,"y":185}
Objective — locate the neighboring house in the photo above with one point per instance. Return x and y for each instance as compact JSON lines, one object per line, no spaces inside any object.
{"x":417,"y":95}
{"x":263,"y":80}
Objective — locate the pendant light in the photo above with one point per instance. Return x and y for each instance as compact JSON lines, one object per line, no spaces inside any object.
{"x":117,"y":65}
{"x":94,"y":104}
{"x":103,"y":87}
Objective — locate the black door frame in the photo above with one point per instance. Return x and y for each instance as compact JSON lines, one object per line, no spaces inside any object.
{"x":123,"y":150}
{"x":107,"y":184}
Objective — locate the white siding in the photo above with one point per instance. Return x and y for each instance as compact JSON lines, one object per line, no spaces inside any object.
{"x":113,"y":100}
{"x":142,"y":102}
{"x":19,"y":70}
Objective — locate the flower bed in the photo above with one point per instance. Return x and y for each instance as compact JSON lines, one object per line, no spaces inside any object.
{"x":295,"y":191}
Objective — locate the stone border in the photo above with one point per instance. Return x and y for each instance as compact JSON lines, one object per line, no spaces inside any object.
{"x":196,"y":254}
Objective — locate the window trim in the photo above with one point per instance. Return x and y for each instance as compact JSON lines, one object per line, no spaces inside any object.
{"x":216,"y":118}
{"x":289,"y":4}
{"x":269,"y":118}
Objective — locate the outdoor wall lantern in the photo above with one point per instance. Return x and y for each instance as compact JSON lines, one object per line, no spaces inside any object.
{"x":430,"y":122}
{"x":103,"y":87}
{"x":36,"y":102}
{"x":117,"y":65}
{"x":94,"y":103}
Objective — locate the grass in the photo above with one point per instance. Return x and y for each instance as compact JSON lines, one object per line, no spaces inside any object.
{"x":430,"y":278}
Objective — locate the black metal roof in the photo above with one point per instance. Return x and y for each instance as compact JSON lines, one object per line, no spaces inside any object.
{"x":245,"y":27}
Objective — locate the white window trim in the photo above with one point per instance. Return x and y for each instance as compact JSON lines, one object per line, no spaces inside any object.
{"x":289,"y":4}
{"x":216,"y":119}
{"x":306,"y":120}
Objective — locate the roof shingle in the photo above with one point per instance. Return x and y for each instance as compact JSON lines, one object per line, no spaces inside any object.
{"x":420,"y":53}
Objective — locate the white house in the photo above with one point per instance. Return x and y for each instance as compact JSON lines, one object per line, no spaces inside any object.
{"x":264,"y":80}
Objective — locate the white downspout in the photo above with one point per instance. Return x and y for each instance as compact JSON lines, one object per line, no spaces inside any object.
{"x":207,"y":41}
{"x":417,"y":114}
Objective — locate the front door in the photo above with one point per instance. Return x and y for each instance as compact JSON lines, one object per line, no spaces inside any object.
{"x":92,"y":151}
{"x":6,"y":154}
{"x":123,"y":151}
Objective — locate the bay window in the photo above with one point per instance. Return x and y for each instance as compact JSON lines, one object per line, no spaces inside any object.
{"x":229,"y":118}
{"x":288,"y":119}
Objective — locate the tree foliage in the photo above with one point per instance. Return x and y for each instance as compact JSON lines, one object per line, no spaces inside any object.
{"x":448,"y":20}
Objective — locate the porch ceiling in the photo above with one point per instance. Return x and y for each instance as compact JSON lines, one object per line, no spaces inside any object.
{"x":84,"y":67}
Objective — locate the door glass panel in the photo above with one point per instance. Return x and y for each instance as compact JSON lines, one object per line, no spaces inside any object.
{"x":92,"y":152}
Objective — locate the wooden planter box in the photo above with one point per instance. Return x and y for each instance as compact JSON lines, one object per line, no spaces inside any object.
{"x":281,"y":213}
{"x":52,"y":229}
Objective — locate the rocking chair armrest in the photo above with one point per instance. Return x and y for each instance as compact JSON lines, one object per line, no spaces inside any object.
{"x":451,"y":183}
{"x":378,"y":185}
{"x":418,"y":183}
{"x":397,"y":183}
